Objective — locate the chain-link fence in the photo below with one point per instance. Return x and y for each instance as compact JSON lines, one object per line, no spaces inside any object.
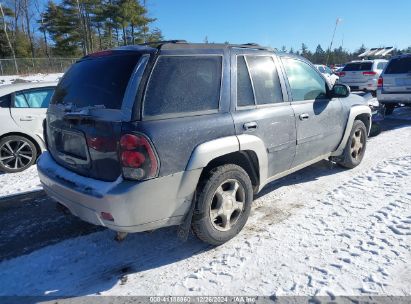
{"x":34,"y":65}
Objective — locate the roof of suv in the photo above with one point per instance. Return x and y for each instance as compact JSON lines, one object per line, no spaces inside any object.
{"x":182,"y":44}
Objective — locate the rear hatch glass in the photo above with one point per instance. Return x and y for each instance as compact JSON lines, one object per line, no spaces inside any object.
{"x":358,"y":66}
{"x":399,"y":66}
{"x":77,"y":137}
{"x":97,"y":81}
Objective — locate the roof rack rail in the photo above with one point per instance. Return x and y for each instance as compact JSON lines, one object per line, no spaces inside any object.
{"x":257,"y":46}
{"x":161,"y":42}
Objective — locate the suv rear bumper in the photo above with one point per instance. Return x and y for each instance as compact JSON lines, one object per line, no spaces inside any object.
{"x":135,"y":206}
{"x":387,"y":97}
{"x":369,"y":85}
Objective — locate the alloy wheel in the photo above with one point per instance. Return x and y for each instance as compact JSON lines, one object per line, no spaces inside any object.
{"x":16,"y":154}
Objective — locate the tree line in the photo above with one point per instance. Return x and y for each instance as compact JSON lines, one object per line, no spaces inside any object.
{"x":335,"y":56}
{"x":72,"y":28}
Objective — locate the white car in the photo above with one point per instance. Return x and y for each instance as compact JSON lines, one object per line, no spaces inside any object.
{"x":23,"y":109}
{"x":326,"y":71}
{"x":362,"y":75}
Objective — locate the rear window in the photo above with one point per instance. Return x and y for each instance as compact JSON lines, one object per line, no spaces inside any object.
{"x":399,"y":66}
{"x":183,"y":84}
{"x":97,"y":81}
{"x":358,"y":66}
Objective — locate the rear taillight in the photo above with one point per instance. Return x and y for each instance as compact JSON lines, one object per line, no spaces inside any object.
{"x":341,"y":74}
{"x":138,"y":158}
{"x":380,"y":82}
{"x":370,"y":73}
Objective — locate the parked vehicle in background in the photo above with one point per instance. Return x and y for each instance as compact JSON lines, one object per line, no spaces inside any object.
{"x":394,"y":85}
{"x":338,"y":71}
{"x":328,"y":74}
{"x":362,"y":75}
{"x":23,"y":109}
{"x":186,"y":134}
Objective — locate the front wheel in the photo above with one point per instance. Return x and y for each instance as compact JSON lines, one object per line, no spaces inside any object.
{"x":355,"y":148}
{"x":223,"y":205}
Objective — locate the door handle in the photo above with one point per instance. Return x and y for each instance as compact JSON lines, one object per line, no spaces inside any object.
{"x":26,"y":118}
{"x":250,"y":126}
{"x":304,"y":116}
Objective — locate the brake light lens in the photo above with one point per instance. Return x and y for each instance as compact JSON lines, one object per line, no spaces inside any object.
{"x":138,"y":158}
{"x":371,"y":73}
{"x":380,"y":82}
{"x":341,"y":74}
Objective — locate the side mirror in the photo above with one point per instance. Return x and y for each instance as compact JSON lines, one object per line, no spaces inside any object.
{"x":340,"y":90}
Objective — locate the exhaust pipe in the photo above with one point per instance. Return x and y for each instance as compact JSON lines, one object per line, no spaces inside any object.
{"x":120,"y":236}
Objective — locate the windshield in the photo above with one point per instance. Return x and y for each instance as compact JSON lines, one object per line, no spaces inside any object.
{"x":97,"y":81}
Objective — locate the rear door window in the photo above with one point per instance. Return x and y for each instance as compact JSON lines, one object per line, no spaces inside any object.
{"x":39,"y":98}
{"x":264,"y":74}
{"x":358,"y":66}
{"x":97,"y":80}
{"x":399,"y":66}
{"x":381,"y":65}
{"x":245,"y":94}
{"x":183,"y":84}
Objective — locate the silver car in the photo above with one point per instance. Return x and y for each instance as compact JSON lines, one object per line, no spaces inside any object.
{"x":362,"y":75}
{"x":23,"y":109}
{"x":394,"y":85}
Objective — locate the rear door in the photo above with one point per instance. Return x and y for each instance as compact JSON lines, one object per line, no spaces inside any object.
{"x":397,"y":76}
{"x":261,"y":107}
{"x":88,"y":107}
{"x":28,"y":109}
{"x":320,"y":120}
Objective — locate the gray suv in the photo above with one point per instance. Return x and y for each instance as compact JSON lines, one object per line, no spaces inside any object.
{"x":143,"y":137}
{"x":394,"y":85}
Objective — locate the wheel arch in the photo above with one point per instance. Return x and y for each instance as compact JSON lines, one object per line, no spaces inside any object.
{"x":358,"y":112}
{"x":246,"y":151}
{"x":39,"y":146}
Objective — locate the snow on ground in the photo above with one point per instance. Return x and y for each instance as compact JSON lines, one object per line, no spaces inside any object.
{"x":18,"y":183}
{"x":30,"y":78}
{"x":321,"y":231}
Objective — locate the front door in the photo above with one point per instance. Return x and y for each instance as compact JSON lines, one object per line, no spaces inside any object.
{"x":261,"y":107}
{"x":319,"y":119}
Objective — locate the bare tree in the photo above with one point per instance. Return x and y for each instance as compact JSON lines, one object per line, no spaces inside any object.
{"x":8,"y":39}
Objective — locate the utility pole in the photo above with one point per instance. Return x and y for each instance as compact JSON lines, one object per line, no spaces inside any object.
{"x":8,"y":40}
{"x":332,"y":39}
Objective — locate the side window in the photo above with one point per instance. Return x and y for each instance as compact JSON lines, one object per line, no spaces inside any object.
{"x":380,"y":65}
{"x":321,"y":69}
{"x":33,"y":99}
{"x":245,"y":95}
{"x":5,"y":101}
{"x":305,"y":82}
{"x":182,"y":84}
{"x":20,"y":101}
{"x":328,"y":70}
{"x":267,"y":87}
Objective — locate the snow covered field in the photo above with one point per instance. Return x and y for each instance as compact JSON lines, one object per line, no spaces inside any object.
{"x":30,"y":78}
{"x":321,"y":231}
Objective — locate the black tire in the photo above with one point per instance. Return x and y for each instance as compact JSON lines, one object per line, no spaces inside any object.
{"x":219,"y":230}
{"x":389,"y":109}
{"x":351,"y":157}
{"x":17,"y":153}
{"x":375,"y":129}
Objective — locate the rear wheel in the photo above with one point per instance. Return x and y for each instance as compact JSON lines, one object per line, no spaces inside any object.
{"x":223,"y":205}
{"x":355,"y":148}
{"x":17,"y":153}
